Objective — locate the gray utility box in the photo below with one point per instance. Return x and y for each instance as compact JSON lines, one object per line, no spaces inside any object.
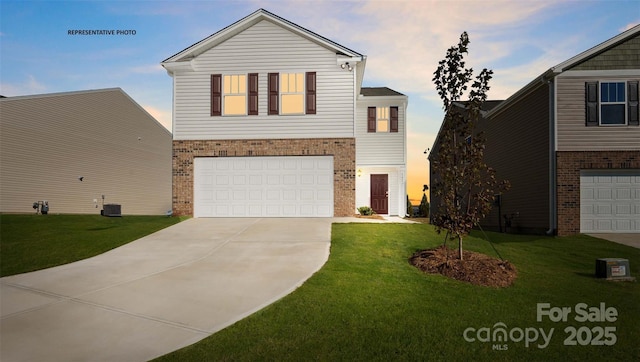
{"x":111,"y":210}
{"x":613,"y":269}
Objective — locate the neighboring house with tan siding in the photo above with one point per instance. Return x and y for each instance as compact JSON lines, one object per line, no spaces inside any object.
{"x":271,"y":120}
{"x":569,"y":143}
{"x":49,"y":141}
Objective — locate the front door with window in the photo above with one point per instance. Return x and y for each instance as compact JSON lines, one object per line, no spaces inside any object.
{"x":380,"y":194}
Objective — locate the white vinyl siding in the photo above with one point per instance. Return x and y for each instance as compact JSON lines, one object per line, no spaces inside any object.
{"x":47,"y":142}
{"x":264,"y":48}
{"x":380,"y":148}
{"x":572,"y":134}
{"x":397,"y":187}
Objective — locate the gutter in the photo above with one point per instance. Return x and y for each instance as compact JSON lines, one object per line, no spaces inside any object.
{"x":552,"y":159}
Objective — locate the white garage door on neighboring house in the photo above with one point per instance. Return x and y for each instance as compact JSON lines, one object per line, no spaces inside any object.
{"x":610,"y":201}
{"x":282,"y":186}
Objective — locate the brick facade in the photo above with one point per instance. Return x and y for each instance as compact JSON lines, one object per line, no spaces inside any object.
{"x":569,"y":165}
{"x":343,"y":151}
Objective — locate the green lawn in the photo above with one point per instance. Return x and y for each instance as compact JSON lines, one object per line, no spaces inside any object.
{"x":32,"y":242}
{"x":368,"y":303}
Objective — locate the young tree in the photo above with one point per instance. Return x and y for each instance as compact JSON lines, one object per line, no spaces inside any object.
{"x":466,"y":186}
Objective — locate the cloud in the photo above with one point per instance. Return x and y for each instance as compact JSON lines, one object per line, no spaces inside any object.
{"x":161,"y":115}
{"x":30,"y":86}
{"x":630,"y":25}
{"x":147,"y":69}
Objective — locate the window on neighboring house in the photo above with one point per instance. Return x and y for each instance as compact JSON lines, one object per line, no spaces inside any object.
{"x":382,"y":119}
{"x":611,"y":103}
{"x":234,"y":94}
{"x":292,"y":93}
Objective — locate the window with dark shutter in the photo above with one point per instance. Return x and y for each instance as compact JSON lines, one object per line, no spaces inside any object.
{"x":252,"y":105}
{"x":393,"y":116}
{"x":632,"y":106}
{"x":273,"y":93}
{"x":310,"y":93}
{"x":216,"y":94}
{"x":591,"y":101}
{"x":371,"y":119}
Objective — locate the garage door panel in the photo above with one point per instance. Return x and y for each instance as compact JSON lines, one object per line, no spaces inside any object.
{"x":299,"y":186}
{"x":611,"y":202}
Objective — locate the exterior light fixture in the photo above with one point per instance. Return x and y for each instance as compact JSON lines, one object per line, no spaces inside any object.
{"x":346,"y":66}
{"x":359,"y":172}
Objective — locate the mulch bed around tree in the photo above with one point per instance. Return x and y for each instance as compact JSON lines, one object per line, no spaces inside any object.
{"x":476,"y":268}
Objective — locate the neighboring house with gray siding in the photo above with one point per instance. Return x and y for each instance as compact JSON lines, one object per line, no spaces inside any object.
{"x":49,"y":141}
{"x":569,"y":143}
{"x":271,"y":120}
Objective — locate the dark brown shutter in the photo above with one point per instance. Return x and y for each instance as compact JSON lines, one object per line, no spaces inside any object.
{"x":252,"y":105}
{"x":216,"y":94}
{"x":371,"y":119}
{"x":393,"y":118}
{"x":591,"y":101}
{"x":273,"y":93}
{"x":632,"y":95}
{"x":311,"y":93}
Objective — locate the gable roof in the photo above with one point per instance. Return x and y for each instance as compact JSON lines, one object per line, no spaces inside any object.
{"x":379,"y":92}
{"x":250,"y":20}
{"x":566,"y":65}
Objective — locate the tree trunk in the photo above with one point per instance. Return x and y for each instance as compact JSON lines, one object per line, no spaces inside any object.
{"x":460,"y":246}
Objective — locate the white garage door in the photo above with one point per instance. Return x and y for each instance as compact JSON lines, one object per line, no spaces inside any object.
{"x":295,"y":186}
{"x":610,"y":201}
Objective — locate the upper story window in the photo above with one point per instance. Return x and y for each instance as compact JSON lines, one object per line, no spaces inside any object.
{"x":382,"y":119}
{"x":612,"y":103}
{"x":234,"y":94}
{"x":292,"y":93}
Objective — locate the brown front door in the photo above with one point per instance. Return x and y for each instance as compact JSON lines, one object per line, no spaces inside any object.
{"x":379,"y":194}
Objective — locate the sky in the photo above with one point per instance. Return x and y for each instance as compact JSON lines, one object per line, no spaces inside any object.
{"x":403,"y":41}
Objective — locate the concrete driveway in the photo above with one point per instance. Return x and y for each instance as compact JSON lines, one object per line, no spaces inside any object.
{"x":159,"y":293}
{"x":632,"y":239}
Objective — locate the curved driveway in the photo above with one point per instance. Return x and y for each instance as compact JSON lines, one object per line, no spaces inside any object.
{"x":159,"y":293}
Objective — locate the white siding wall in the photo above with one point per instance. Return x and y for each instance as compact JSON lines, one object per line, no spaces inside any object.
{"x":264,"y":48}
{"x":380,"y":148}
{"x":47,"y":142}
{"x":572,"y":134}
{"x":397,"y":188}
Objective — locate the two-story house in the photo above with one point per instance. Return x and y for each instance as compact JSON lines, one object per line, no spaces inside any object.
{"x":569,"y":143}
{"x":271,"y":120}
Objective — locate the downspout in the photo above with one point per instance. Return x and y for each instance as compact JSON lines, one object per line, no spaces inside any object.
{"x":552,"y":158}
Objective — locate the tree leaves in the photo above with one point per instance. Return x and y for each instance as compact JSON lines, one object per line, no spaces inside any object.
{"x":465,"y":185}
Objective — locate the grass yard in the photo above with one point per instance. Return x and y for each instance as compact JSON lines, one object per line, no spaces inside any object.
{"x":33,"y":242}
{"x":368,"y":303}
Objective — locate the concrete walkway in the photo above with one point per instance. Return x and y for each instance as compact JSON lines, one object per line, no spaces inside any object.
{"x":159,"y":293}
{"x":632,"y":239}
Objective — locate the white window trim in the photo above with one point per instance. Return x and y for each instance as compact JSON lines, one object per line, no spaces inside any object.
{"x":246,"y":95}
{"x":303,"y":92}
{"x":625,"y":103}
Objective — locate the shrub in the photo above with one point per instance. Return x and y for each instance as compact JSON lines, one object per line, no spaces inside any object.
{"x":424,"y":206}
{"x":365,"y":210}
{"x":409,"y":207}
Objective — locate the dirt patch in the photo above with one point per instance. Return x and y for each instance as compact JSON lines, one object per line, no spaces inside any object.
{"x":478,"y":269}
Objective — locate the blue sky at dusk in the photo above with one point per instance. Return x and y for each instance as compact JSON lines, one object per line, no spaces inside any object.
{"x":403,"y":41}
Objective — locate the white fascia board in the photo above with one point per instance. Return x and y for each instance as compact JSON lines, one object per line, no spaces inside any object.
{"x":173,"y":67}
{"x":600,"y":73}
